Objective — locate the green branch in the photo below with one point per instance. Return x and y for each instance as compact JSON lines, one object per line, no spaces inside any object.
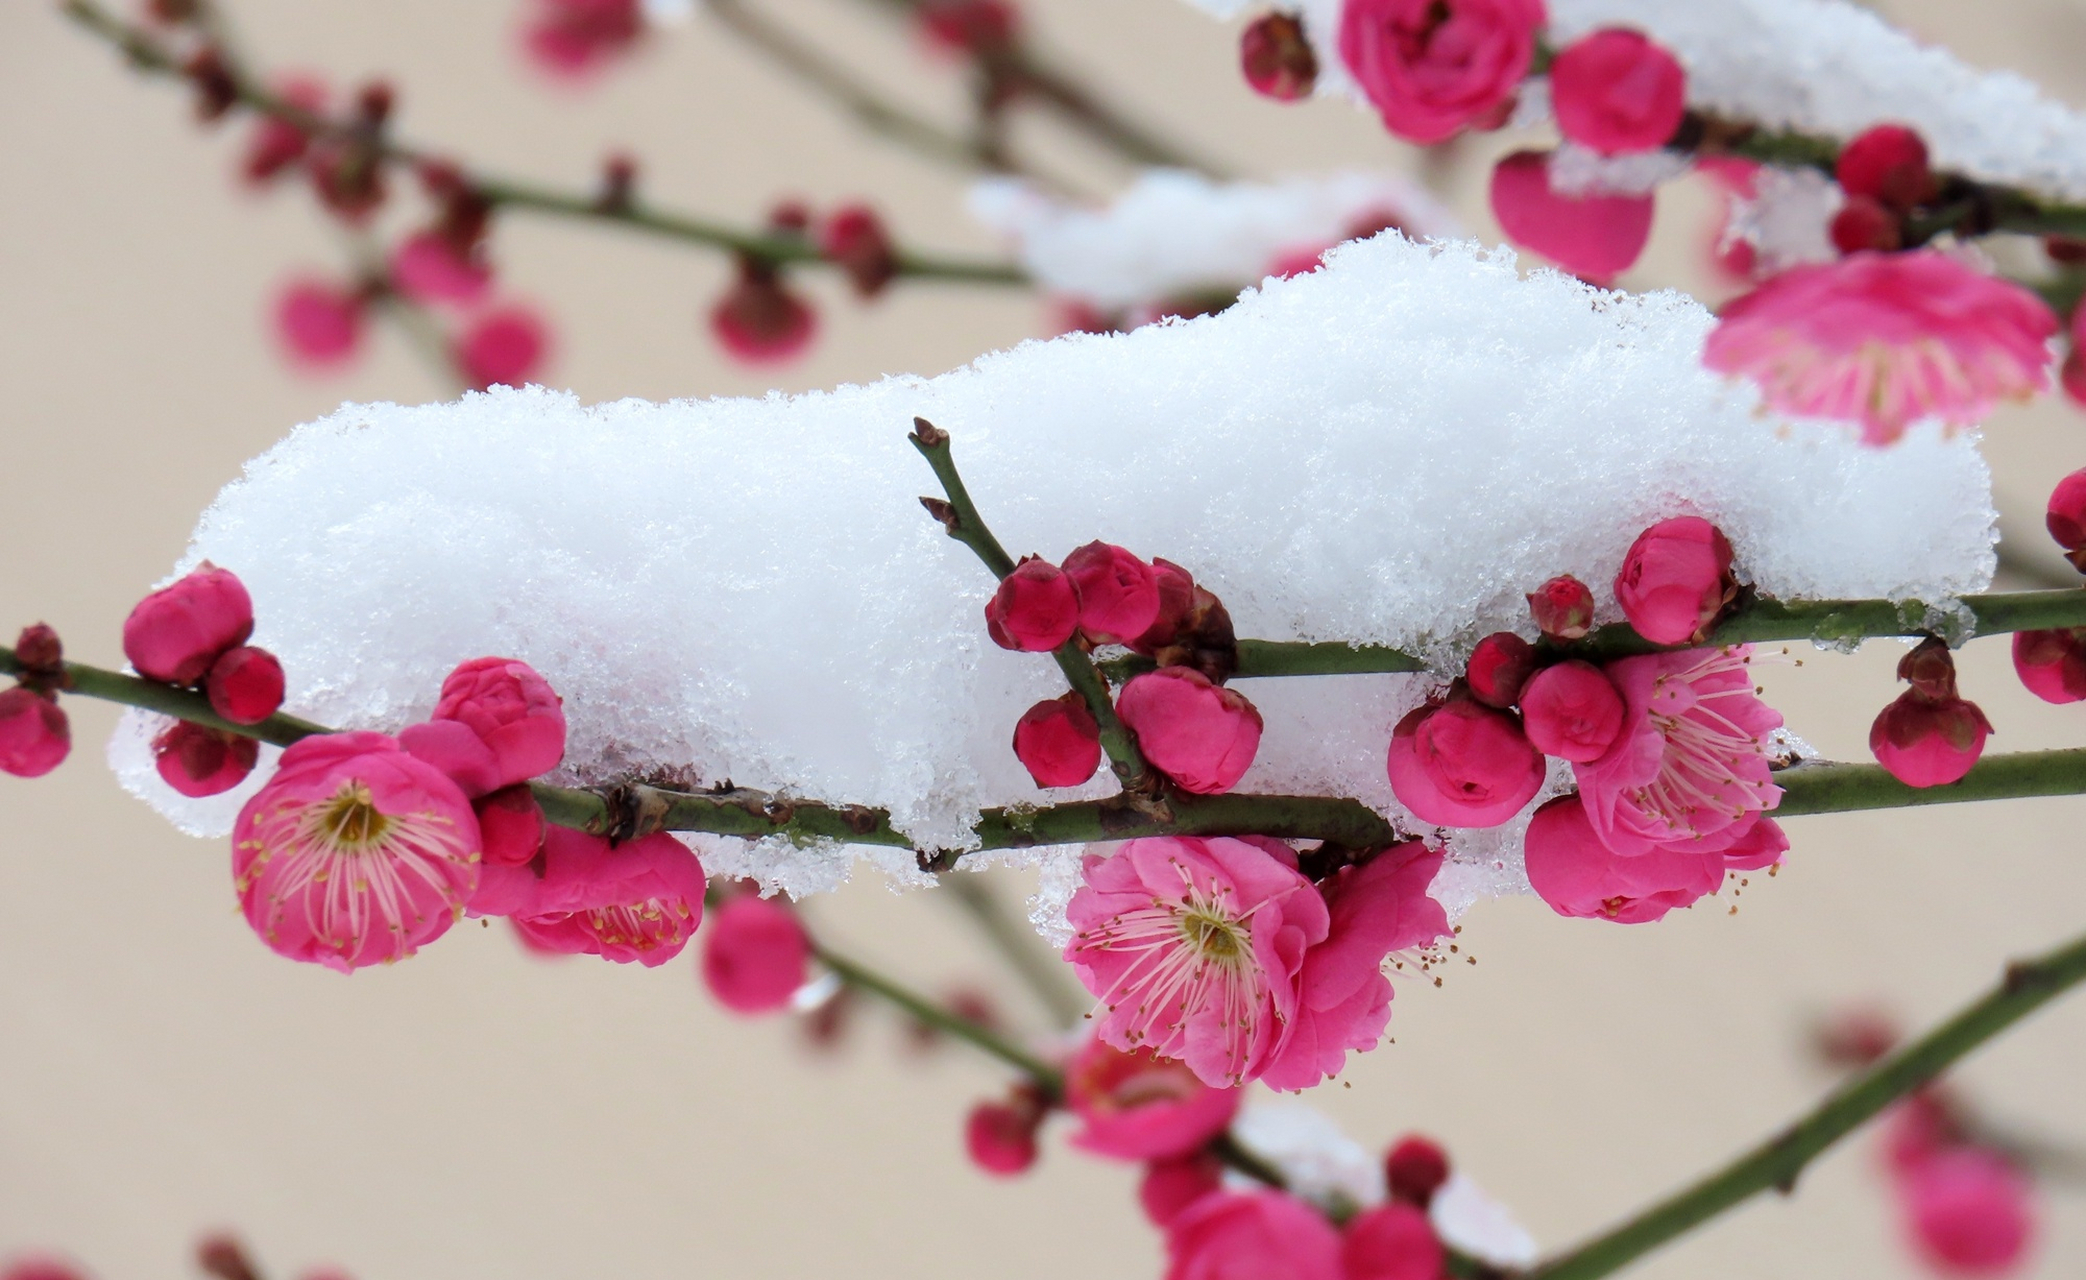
{"x":1777,"y":1162}
{"x":868,"y":980}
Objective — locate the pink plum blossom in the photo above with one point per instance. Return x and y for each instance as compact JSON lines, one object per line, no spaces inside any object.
{"x":1118,"y":594}
{"x":1170,"y":1186}
{"x":1058,"y":742}
{"x":574,"y":39}
{"x":35,"y":735}
{"x":198,"y":761}
{"x":1344,"y":999}
{"x":1886,"y":339}
{"x":178,"y":631}
{"x":1500,"y":664}
{"x":510,"y":823}
{"x":245,"y":685}
{"x":1675,"y":580}
{"x":319,"y":323}
{"x":1969,"y":1212}
{"x":1392,"y":1241}
{"x":1615,"y":91}
{"x":428,"y":267}
{"x":1433,"y":68}
{"x":1689,"y":768}
{"x":1571,"y":711}
{"x":503,"y":347}
{"x":1577,"y":874}
{"x":1200,"y":735}
{"x":1593,"y":236}
{"x":755,"y":955}
{"x":1461,"y":764}
{"x":1035,"y":609}
{"x":1195,"y":947}
{"x":640,"y":900}
{"x":1266,"y":1235}
{"x":1135,"y":1105}
{"x":1001,"y":1136}
{"x":354,"y":853}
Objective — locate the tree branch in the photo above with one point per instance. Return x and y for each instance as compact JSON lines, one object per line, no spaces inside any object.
{"x":2027,"y":986}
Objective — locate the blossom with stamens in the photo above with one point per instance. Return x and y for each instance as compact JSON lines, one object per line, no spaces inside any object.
{"x":355,"y":853}
{"x":640,"y":900}
{"x":1886,"y":339}
{"x":1689,"y":768}
{"x":1194,"y":947}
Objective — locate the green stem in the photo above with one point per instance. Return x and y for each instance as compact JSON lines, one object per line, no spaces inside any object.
{"x":1834,"y":787}
{"x":1046,"y":978}
{"x":868,"y":980}
{"x":147,"y":54}
{"x":1777,"y":1162}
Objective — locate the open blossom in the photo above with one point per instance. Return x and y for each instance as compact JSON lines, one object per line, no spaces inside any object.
{"x":1462,"y":764}
{"x":1199,"y":734}
{"x":1675,"y":580}
{"x":640,"y":900}
{"x":1593,"y":236}
{"x":35,"y":736}
{"x":1135,"y":1105}
{"x":354,"y":853}
{"x":1194,"y":947}
{"x":1577,"y":874}
{"x":754,"y":955}
{"x":1969,"y":1211}
{"x":1886,"y":339}
{"x":1433,"y":68}
{"x":1344,"y":999}
{"x":1118,"y":594}
{"x":1267,"y":1235}
{"x":1616,"y":91}
{"x":1689,"y":769}
{"x":178,"y":631}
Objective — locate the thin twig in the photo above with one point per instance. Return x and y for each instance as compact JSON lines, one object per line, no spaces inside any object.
{"x":2027,"y":986}
{"x":1042,"y":973}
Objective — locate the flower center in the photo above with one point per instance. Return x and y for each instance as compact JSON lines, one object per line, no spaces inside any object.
{"x":1211,"y":934}
{"x":350,"y":822}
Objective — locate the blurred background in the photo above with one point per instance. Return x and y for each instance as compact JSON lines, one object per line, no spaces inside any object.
{"x":481,"y":1112}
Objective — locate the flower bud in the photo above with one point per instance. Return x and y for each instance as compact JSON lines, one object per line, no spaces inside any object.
{"x":319,"y":323}
{"x":200,"y":761}
{"x":1035,"y":609}
{"x":1205,"y":640}
{"x":1888,"y":164}
{"x":1277,"y":59}
{"x":1614,"y":91}
{"x":755,"y":954}
{"x":35,"y":736}
{"x":1929,"y":736}
{"x":969,"y":26}
{"x":1462,"y":764}
{"x":1676,"y":580}
{"x":41,"y":654}
{"x":1498,"y":667}
{"x":1563,"y":608}
{"x":177,"y":632}
{"x":759,"y":321}
{"x":1929,"y":668}
{"x":1415,"y":1169}
{"x":1058,"y":742}
{"x":512,"y":710}
{"x":2065,"y":517}
{"x":1970,"y":1211}
{"x":1199,"y":734}
{"x":1391,"y":1242}
{"x":1593,"y":236}
{"x":2071,"y":375}
{"x":1001,"y":1136}
{"x":1864,"y":223}
{"x":502,"y":348}
{"x":245,"y":685}
{"x":2052,"y":663}
{"x":855,"y":239}
{"x":1571,"y":711}
{"x":1118,"y":593}
{"x":1176,"y":596}
{"x":511,"y":825}
{"x":1170,"y":1186}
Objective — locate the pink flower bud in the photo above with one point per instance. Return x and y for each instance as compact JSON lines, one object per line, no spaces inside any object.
{"x":1571,"y":711}
{"x":200,"y":761}
{"x":245,"y":685}
{"x":1864,"y":223}
{"x":1970,"y":1212}
{"x":1058,"y":742}
{"x":2065,"y":517}
{"x":1258,"y":1233}
{"x":1594,"y":236}
{"x":35,"y":736}
{"x":318,"y":323}
{"x":427,"y":266}
{"x":1462,"y":764}
{"x":511,"y":823}
{"x":1118,"y":593}
{"x":968,"y":26}
{"x":758,"y":321}
{"x":573,"y":39}
{"x":1035,"y":609}
{"x":855,"y":238}
{"x":1888,"y":164}
{"x":1676,"y":580}
{"x":1277,"y":58}
{"x":1415,"y":1169}
{"x":1176,"y":598}
{"x":504,"y":347}
{"x":512,"y":710}
{"x":1200,"y":735}
{"x":178,"y":631}
{"x":1498,"y":667}
{"x":275,"y":144}
{"x":2052,"y":663}
{"x":1927,"y":742}
{"x":1169,"y":1187}
{"x":1393,"y":1241}
{"x":754,"y":955}
{"x":36,"y":1267}
{"x":1001,"y":1136}
{"x":1615,"y":91}
{"x":1563,"y":608}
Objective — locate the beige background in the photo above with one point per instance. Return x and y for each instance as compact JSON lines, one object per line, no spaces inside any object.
{"x":479,"y":1113}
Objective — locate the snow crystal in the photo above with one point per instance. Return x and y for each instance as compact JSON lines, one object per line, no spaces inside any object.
{"x":1574,"y":170}
{"x":1390,"y":450}
{"x":1317,"y":1160}
{"x":1174,"y":234}
{"x":1819,"y":66}
{"x":1787,"y":219}
{"x":1468,"y":1219}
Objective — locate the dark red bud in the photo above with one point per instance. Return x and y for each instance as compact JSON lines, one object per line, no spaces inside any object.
{"x":1498,"y":667}
{"x":1415,"y":1169}
{"x":1277,"y":59}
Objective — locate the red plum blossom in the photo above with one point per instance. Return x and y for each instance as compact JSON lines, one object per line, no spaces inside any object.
{"x":319,"y":323}
{"x":1058,"y":742}
{"x":1593,"y":236}
{"x":755,"y":955}
{"x":1571,"y":711}
{"x":636,"y":901}
{"x":503,"y":347}
{"x":1615,"y":91}
{"x":178,"y":631}
{"x":1200,"y":735}
{"x":1392,"y":1241}
{"x":2052,"y":663}
{"x":1887,"y":164}
{"x":198,"y":761}
{"x":1969,"y":1212}
{"x":1035,"y":610}
{"x":1267,"y":1235}
{"x":1461,"y":764}
{"x":2065,"y":515}
{"x":35,"y":735}
{"x":1433,"y":68}
{"x":1414,"y":1169}
{"x":1001,"y":1136}
{"x":1135,"y":1105}
{"x":1498,"y":667}
{"x":245,"y":685}
{"x":1675,"y":580}
{"x":1118,"y":594}
{"x":1577,"y":874}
